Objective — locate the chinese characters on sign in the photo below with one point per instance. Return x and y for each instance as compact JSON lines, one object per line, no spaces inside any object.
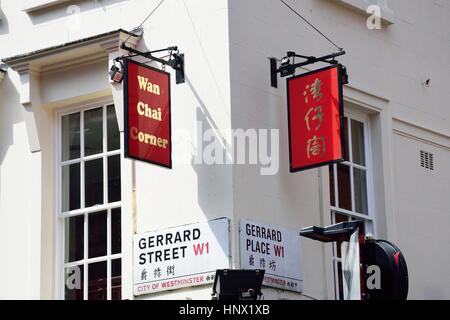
{"x":147,"y":114}
{"x":274,"y":249}
{"x":315,"y":118}
{"x":180,"y":257}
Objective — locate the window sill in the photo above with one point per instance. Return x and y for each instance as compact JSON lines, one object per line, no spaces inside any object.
{"x":360,"y":6}
{"x":34,"y":5}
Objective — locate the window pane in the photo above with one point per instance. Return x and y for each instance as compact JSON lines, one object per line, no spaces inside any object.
{"x":332,"y":192}
{"x":346,"y":146}
{"x":361,"y":205}
{"x":71,"y":187}
{"x":93,"y":182}
{"x":113,"y":129}
{"x":70,"y":137}
{"x":114,"y":178}
{"x":74,"y":238}
{"x":97,"y":234}
{"x":344,"y":188}
{"x":116,"y":232}
{"x":74,"y":283}
{"x":97,"y":284}
{"x":358,"y":151}
{"x":93,"y":131}
{"x":116,"y":281}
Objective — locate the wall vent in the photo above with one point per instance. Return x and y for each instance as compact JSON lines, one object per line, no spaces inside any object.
{"x":427,"y":160}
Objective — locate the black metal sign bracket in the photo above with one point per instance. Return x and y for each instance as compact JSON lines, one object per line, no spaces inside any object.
{"x":287,"y":66}
{"x":336,"y":232}
{"x":175,"y":61}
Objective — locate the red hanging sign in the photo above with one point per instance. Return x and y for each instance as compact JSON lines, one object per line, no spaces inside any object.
{"x":147,"y":114}
{"x":315,"y":111}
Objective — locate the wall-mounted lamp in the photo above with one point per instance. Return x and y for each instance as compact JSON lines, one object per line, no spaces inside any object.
{"x":116,"y":73}
{"x":3,"y":70}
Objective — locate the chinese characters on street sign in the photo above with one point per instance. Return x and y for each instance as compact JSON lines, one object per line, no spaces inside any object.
{"x":147,"y":114}
{"x":315,"y":109}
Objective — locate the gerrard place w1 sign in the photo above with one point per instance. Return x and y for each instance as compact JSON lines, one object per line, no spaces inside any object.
{"x":274,"y":249}
{"x":147,"y":114}
{"x":315,"y":109}
{"x":180,"y":257}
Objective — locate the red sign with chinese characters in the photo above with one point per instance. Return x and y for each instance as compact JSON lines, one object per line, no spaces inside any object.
{"x":315,"y":110}
{"x":147,"y":114}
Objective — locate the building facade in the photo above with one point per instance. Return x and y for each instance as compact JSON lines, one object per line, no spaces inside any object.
{"x":70,"y":198}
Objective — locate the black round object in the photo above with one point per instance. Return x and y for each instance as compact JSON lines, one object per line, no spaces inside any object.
{"x":393,"y":284}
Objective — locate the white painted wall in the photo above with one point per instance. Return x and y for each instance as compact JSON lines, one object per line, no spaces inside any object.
{"x":201,"y":31}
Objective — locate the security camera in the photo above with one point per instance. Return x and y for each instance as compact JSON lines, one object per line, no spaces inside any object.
{"x":116,"y":73}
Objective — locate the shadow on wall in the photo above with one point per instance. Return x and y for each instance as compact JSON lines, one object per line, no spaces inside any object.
{"x":4,"y":28}
{"x":69,"y":8}
{"x":214,"y":179}
{"x":10,"y":114}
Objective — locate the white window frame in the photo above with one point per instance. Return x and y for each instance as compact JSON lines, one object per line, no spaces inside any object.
{"x":370,"y":218}
{"x":60,"y":264}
